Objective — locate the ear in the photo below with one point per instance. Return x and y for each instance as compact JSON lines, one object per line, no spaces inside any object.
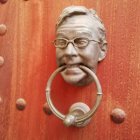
{"x":103,"y":51}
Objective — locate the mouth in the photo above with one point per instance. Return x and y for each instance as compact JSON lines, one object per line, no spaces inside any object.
{"x":74,"y":65}
{"x":73,"y":68}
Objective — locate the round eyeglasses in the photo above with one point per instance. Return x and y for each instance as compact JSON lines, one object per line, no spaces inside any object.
{"x":78,"y":42}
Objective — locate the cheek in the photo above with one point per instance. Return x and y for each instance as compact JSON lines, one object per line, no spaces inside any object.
{"x":91,"y":54}
{"x":58,"y":53}
{"x":58,"y":56}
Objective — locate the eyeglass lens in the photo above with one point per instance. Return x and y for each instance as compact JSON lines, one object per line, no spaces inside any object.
{"x":78,"y":42}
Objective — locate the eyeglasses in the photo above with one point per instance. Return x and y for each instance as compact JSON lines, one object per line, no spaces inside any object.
{"x":77,"y":42}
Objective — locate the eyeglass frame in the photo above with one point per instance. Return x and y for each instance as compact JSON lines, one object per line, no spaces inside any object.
{"x":72,"y":41}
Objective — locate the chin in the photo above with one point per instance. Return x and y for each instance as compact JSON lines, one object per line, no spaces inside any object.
{"x":77,"y":80}
{"x":73,"y":78}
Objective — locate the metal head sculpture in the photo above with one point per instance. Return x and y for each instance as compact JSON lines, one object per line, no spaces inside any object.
{"x":80,"y":40}
{"x":80,"y":44}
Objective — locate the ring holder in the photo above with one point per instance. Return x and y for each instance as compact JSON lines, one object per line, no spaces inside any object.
{"x":79,"y":113}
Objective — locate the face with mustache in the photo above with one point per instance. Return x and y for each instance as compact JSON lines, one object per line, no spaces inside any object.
{"x":73,"y":32}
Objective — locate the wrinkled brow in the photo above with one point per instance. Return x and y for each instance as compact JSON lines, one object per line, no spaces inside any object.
{"x":73,"y":34}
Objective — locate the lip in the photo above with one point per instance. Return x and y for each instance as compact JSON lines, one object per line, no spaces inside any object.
{"x":72,"y":65}
{"x":72,"y":69}
{"x":68,"y":65}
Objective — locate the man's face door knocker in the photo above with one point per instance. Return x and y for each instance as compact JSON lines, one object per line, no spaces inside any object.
{"x":80,"y":44}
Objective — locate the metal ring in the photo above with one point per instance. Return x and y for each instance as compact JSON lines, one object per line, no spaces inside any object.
{"x":81,"y":118}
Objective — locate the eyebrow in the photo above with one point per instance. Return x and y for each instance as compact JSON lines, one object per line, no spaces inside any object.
{"x":81,"y":34}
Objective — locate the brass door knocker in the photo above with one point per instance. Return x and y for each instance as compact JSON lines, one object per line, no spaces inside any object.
{"x":80,"y":44}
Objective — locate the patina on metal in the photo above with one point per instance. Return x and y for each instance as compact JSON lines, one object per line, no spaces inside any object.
{"x":80,"y":40}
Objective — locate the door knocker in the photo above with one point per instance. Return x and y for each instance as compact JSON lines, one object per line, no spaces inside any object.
{"x":80,"y":44}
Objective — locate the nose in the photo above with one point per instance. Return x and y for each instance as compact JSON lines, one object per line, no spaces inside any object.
{"x":70,"y":50}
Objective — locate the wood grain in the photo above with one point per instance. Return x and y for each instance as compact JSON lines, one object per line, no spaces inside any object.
{"x":30,"y":59}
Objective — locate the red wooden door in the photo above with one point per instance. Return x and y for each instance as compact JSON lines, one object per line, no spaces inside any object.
{"x":29,"y":59}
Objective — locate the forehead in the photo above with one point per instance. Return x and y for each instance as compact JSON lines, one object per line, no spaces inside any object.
{"x":70,"y":32}
{"x":78,"y":25}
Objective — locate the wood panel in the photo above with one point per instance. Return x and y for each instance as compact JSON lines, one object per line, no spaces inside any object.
{"x":30,"y":59}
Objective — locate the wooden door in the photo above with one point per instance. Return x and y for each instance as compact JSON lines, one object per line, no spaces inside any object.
{"x":29,"y":59}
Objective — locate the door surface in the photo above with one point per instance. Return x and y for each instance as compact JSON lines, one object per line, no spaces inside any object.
{"x":29,"y":60}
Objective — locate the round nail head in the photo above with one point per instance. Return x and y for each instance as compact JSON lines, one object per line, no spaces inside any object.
{"x":1,"y":101}
{"x":46,"y":109}
{"x":1,"y":60}
{"x":118,"y":115}
{"x":3,"y":1}
{"x":20,"y":104}
{"x":3,"y":29}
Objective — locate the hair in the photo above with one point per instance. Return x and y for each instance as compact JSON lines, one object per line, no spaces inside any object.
{"x":81,"y":10}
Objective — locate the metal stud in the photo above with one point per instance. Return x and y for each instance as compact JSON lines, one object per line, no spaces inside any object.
{"x":46,"y":109}
{"x":3,"y":1}
{"x":1,"y":101}
{"x":1,"y":60}
{"x":21,"y":104}
{"x":3,"y":29}
{"x":118,"y":115}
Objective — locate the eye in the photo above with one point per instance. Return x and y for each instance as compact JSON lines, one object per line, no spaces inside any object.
{"x":81,"y":42}
{"x":60,"y":43}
